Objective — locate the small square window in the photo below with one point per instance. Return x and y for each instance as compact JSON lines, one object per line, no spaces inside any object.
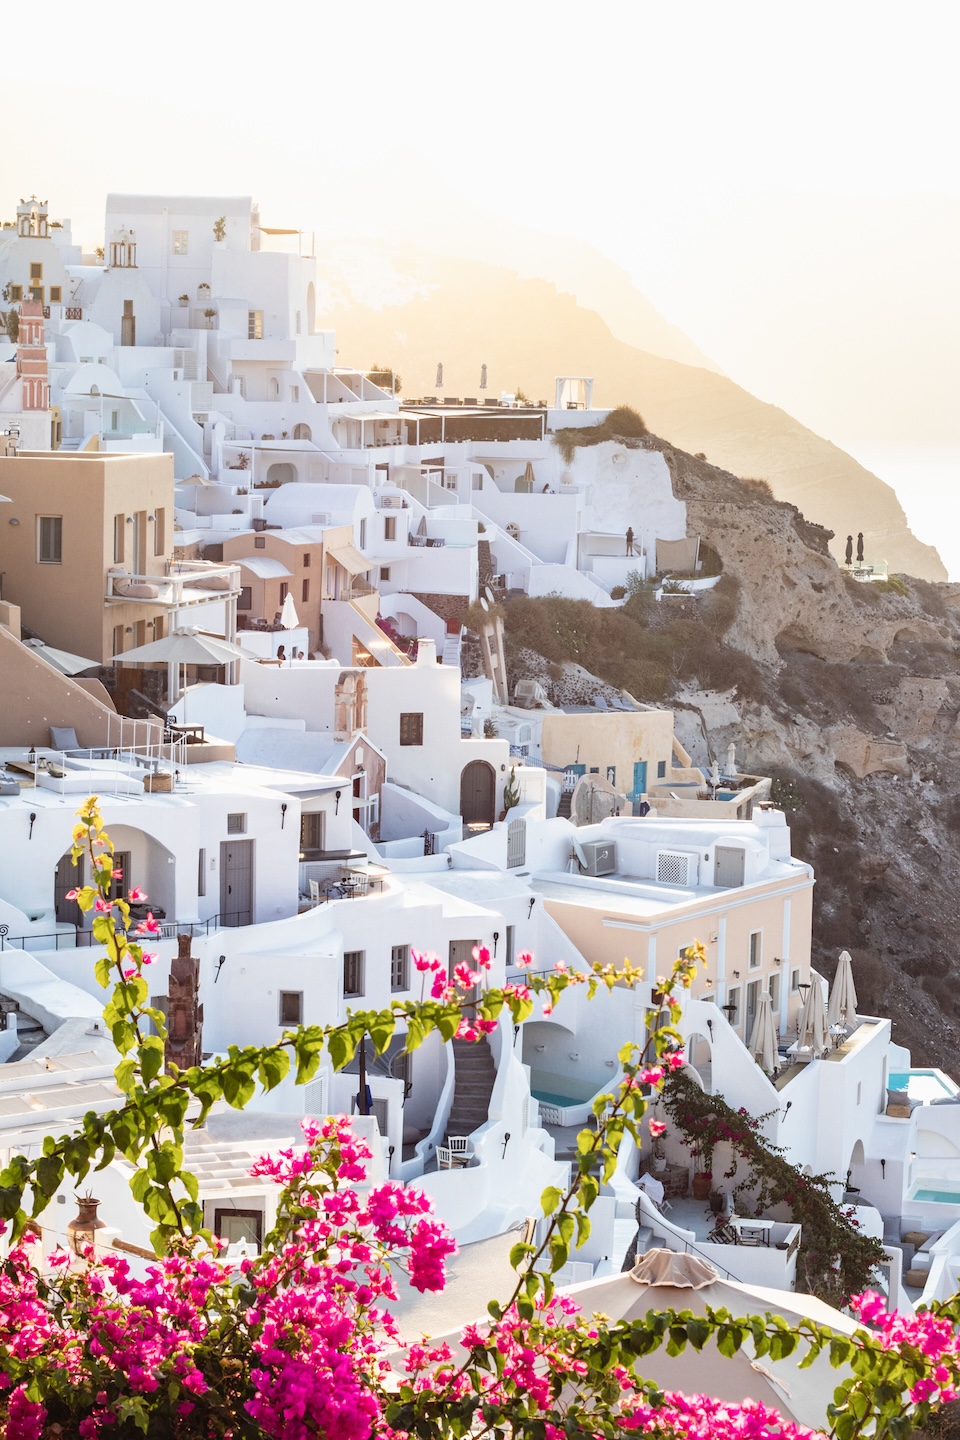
{"x":36,"y":271}
{"x":661,"y":769}
{"x":795,"y":980}
{"x":16,"y":292}
{"x":56,"y":294}
{"x":245,"y":601}
{"x":390,"y":527}
{"x":400,"y":967}
{"x":306,"y":560}
{"x":312,"y":831}
{"x":756,"y":948}
{"x":291,"y":1007}
{"x":353,"y":972}
{"x":384,"y":572}
{"x":259,"y":542}
{"x":411,"y":728}
{"x":294,"y":394}
{"x":236,"y":824}
{"x":49,"y":539}
{"x":181,"y":242}
{"x":255,"y":325}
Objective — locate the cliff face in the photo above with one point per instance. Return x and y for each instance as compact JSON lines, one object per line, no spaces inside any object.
{"x":853,"y":705}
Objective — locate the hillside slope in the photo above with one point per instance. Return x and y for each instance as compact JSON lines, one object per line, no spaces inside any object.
{"x":466,"y":314}
{"x":848,"y":694}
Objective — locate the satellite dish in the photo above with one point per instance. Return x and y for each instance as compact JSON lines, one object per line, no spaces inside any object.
{"x":490,"y":595}
{"x":484,"y":604}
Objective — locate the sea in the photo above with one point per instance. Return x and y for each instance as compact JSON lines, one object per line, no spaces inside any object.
{"x":927,"y":481}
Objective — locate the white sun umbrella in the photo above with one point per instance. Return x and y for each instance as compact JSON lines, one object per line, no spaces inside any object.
{"x":810,"y":1027}
{"x":61,"y":660}
{"x":289,"y":619}
{"x":183,"y":647}
{"x":763,"y":1036}
{"x":842,"y":1005}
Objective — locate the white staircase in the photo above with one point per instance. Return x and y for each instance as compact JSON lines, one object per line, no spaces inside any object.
{"x":452,"y":646}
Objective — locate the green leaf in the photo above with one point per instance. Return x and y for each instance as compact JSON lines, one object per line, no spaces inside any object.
{"x":550,"y":1199}
{"x":151,"y":1057}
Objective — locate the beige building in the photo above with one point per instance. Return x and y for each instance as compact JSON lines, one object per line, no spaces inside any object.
{"x":275,"y":564}
{"x":631,"y":749}
{"x":75,"y":518}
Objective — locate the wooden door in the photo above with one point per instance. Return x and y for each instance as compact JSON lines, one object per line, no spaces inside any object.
{"x":478,"y":787}
{"x":68,"y":877}
{"x":236,"y":882}
{"x":728,"y":863}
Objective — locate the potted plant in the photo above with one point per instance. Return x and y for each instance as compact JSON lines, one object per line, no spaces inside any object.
{"x":716,"y":1200}
{"x":659,"y":1159}
{"x":702,"y":1184}
{"x":184,"y":299}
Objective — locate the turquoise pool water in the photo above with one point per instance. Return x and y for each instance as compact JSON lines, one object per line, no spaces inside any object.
{"x":941,"y":1197}
{"x":922,"y":1085}
{"x":549,"y":1098}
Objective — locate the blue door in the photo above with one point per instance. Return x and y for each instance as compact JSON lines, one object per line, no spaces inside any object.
{"x":639,"y":781}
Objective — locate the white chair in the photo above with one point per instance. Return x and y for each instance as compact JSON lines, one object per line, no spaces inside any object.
{"x":444,"y":1157}
{"x":314,"y":892}
{"x":459,"y":1147}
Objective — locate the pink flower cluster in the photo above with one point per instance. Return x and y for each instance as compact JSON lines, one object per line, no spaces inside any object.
{"x":930,"y":1336}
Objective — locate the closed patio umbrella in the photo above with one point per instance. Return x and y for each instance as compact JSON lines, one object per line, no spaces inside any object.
{"x":289,"y":618}
{"x":810,"y":1027}
{"x":842,"y":1005}
{"x":763,"y":1036}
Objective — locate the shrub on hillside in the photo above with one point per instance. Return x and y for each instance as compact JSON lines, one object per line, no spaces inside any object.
{"x":622,"y":423}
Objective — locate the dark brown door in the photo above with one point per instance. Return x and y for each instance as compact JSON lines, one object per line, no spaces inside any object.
{"x":478,"y":788}
{"x":236,"y":882}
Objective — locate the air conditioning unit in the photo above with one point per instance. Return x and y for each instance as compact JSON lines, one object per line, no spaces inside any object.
{"x":320,"y":517}
{"x":677,"y":867}
{"x":600,"y":857}
{"x":391,"y":502}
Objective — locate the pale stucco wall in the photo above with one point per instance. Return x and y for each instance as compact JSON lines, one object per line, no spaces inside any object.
{"x":619,"y":739}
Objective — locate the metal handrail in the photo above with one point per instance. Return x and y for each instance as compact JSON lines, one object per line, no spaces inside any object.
{"x":79,"y":939}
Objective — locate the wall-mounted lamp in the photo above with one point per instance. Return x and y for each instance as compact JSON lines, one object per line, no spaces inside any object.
{"x":709,"y":984}
{"x":730,"y":1010}
{"x":787,"y":1111}
{"x":13,"y":522}
{"x":506,"y":1142}
{"x":516,"y":1033}
{"x":33,"y":821}
{"x":336,"y":801}
{"x":574,"y":1054}
{"x":610,"y":1064}
{"x":736,"y":974}
{"x":283,"y":814}
{"x":530,"y":905}
{"x":32,"y":757}
{"x":714,"y":939}
{"x":496,"y":937}
{"x":220,"y":964}
{"x":129,"y":519}
{"x":710,"y":1028}
{"x":777,"y":960}
{"x":539,"y":1047}
{"x":151,"y":517}
{"x":883,"y":1169}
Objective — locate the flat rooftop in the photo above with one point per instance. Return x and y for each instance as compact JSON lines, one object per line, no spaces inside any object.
{"x":634,"y":895}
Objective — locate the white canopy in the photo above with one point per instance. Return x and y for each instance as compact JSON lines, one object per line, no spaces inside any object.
{"x":842,"y":1006}
{"x":289,"y":618}
{"x":810,"y":1027}
{"x":763,"y":1036}
{"x":61,"y":660}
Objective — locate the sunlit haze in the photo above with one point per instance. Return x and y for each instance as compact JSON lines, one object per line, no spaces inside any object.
{"x":780,"y":181}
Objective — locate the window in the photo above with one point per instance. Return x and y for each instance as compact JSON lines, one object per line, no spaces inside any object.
{"x":160,"y":532}
{"x":411,"y":728}
{"x":400,"y":967}
{"x":56,"y":294}
{"x":510,"y":956}
{"x":733,"y":1005}
{"x":612,"y":774}
{"x":236,"y":1225}
{"x":756,"y":938}
{"x":36,"y":271}
{"x":363,"y":534}
{"x":390,"y":527}
{"x":795,"y":980}
{"x":284,"y":590}
{"x":16,"y":292}
{"x":119,"y":538}
{"x":753,"y":997}
{"x":246,"y":598}
{"x":181,"y":242}
{"x":118,"y":640}
{"x":236,"y":824}
{"x":49,"y":539}
{"x":775,"y":992}
{"x":305,"y":591}
{"x":291,"y":1007}
{"x":298,"y":322}
{"x":306,"y":560}
{"x":353,"y":972}
{"x":313,"y":831}
{"x":201,"y":872}
{"x":661,"y":769}
{"x":254,"y":324}
{"x":384,"y":572}
{"x":259,"y":542}
{"x":294,"y":394}
{"x":114,"y":419}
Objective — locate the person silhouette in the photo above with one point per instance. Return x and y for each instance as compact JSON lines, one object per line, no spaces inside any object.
{"x":281,"y":653}
{"x":629,"y":538}
{"x":849,"y":556}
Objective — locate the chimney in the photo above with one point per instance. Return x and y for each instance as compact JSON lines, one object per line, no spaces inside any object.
{"x":426,"y":652}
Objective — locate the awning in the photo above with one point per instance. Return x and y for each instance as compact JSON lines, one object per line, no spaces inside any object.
{"x":350,"y":558}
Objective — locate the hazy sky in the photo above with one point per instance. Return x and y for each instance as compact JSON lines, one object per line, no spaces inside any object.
{"x":772,"y":175}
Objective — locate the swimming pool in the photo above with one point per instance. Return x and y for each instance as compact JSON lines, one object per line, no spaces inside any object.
{"x":923,"y":1085}
{"x":549,"y":1097}
{"x":938,"y":1197}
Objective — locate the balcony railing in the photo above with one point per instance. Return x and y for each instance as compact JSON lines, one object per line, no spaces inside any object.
{"x":185,"y":583}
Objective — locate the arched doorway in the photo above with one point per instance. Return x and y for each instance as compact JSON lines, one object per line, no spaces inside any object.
{"x":478,"y":791}
{"x":855,"y":1170}
{"x":281,"y":473}
{"x":302,"y":432}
